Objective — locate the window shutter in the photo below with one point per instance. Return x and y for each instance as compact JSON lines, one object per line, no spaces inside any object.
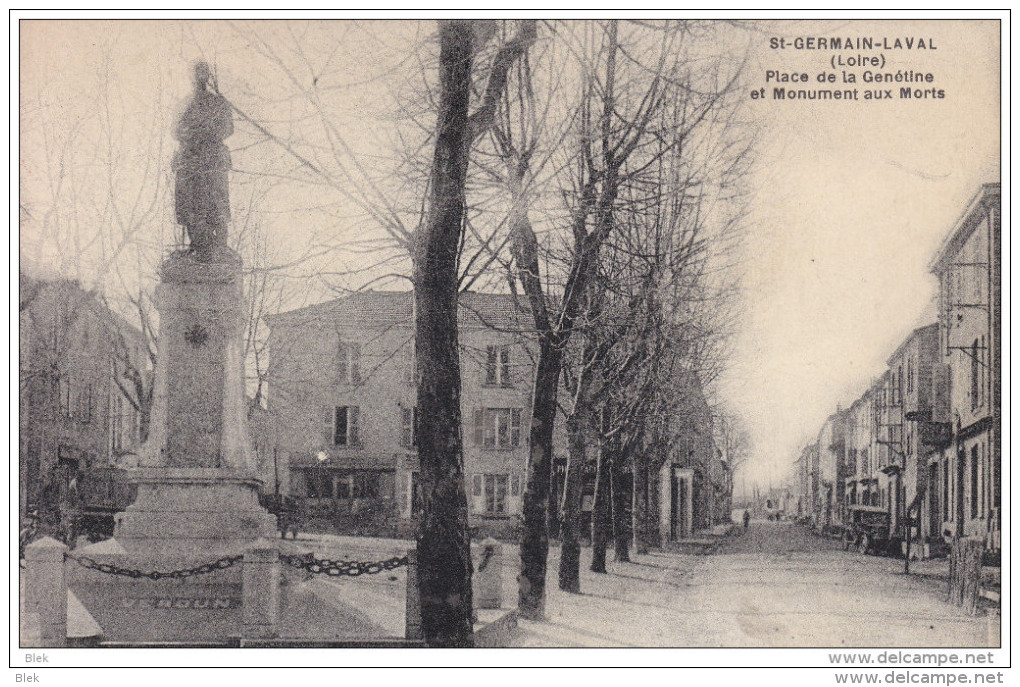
{"x":329,"y":425}
{"x":355,"y":363}
{"x":479,"y":426}
{"x":490,"y":364}
{"x":406,"y":427}
{"x":515,"y":427}
{"x":477,"y":494}
{"x":409,"y":364}
{"x":514,"y":501}
{"x":403,"y":494}
{"x":342,"y":363}
{"x":504,"y":354}
{"x":353,"y":438}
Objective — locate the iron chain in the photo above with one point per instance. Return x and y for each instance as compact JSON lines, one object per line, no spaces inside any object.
{"x":92,"y":564}
{"x":325,"y":566}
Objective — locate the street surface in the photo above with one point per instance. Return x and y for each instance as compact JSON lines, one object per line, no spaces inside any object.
{"x":774,"y":585}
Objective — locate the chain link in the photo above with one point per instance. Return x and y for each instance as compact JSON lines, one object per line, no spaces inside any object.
{"x":325,"y":566}
{"x":92,"y":564}
{"x":307,"y":562}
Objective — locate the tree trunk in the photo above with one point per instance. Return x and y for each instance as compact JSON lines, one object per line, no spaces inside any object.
{"x":535,"y":535}
{"x":570,"y":531}
{"x":621,"y":522}
{"x":444,"y":544}
{"x":601,"y":515}
{"x":555,"y":497}
{"x":639,"y":505}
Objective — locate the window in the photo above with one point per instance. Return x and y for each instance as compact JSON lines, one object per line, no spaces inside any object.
{"x":974,"y":481}
{"x":497,"y":427}
{"x":489,"y":494}
{"x":349,"y":363}
{"x":495,"y":494}
{"x":81,"y":408}
{"x":497,"y":366}
{"x":910,"y":375}
{"x":343,"y":429}
{"x":408,"y":419}
{"x":318,"y":483}
{"x":366,"y":485}
{"x":410,"y":378}
{"x":984,"y":382}
{"x":975,"y":376}
{"x":945,"y":490}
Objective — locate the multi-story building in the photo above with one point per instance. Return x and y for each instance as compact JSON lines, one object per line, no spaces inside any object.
{"x":831,"y":450}
{"x":687,"y":487}
{"x":342,"y":395}
{"x":861,"y":484}
{"x":811,"y":504}
{"x":968,"y":268}
{"x":79,"y":406}
{"x":912,"y":364}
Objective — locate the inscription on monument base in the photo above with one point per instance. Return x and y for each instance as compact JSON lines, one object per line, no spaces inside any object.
{"x":182,"y":602}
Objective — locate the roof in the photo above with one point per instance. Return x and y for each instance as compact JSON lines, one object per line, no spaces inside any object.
{"x":988,"y":195}
{"x":395,"y":308}
{"x":70,"y":291}
{"x":927,"y":329}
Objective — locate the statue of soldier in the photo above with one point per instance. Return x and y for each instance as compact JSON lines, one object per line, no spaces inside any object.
{"x":201,"y":164}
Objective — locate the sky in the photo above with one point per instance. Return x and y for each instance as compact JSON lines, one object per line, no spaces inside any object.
{"x":851,"y":202}
{"x":848,"y":200}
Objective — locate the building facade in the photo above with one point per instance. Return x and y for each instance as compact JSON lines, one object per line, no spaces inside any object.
{"x":341,"y":397}
{"x":831,"y":450}
{"x":691,"y":488}
{"x":923,"y":443}
{"x":968,"y":269}
{"x":79,"y":410}
{"x":913,"y":363}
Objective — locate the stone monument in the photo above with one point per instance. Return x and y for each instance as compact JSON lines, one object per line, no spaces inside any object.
{"x":194,"y":557}
{"x":196,"y":475}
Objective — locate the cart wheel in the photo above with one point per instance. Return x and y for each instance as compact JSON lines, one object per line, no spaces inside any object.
{"x":864,"y":544}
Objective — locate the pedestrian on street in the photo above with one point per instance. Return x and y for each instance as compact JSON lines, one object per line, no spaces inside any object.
{"x":747,"y":517}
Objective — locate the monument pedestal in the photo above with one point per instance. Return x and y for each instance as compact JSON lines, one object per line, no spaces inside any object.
{"x":193,"y":512}
{"x":197,"y":503}
{"x":197,"y":485}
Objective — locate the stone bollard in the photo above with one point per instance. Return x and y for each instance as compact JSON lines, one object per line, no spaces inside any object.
{"x":412,"y":608}
{"x":260,"y":590}
{"x":46,"y":590}
{"x":489,"y":576}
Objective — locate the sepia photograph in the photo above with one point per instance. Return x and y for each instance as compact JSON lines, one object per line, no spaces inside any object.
{"x":678,"y":335}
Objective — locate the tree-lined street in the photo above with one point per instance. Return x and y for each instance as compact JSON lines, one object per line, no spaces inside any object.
{"x":775,"y":585}
{"x":545,"y":292}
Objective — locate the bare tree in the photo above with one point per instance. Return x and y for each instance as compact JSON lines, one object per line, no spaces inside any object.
{"x":444,"y":549}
